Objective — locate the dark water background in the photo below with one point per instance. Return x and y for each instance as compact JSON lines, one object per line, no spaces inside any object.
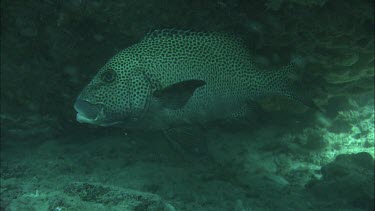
{"x":287,"y":157}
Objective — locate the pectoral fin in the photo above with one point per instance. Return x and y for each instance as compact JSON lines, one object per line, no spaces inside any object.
{"x":177,"y":95}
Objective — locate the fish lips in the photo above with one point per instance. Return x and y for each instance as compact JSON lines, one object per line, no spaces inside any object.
{"x":88,"y":112}
{"x":92,"y":114}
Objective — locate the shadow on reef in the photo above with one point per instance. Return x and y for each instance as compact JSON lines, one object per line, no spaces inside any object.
{"x":349,"y":179}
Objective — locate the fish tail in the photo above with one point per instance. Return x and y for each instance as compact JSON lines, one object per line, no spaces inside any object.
{"x":290,"y":83}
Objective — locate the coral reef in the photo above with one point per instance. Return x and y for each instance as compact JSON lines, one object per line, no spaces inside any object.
{"x":285,"y":155}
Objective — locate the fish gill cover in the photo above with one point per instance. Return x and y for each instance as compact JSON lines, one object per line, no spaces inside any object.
{"x":275,"y":154}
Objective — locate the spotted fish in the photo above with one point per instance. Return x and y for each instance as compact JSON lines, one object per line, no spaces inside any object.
{"x":176,"y":77}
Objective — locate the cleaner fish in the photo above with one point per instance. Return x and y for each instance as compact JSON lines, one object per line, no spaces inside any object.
{"x":174,"y":77}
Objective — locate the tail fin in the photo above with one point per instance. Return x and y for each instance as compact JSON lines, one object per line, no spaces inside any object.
{"x":291,"y":86}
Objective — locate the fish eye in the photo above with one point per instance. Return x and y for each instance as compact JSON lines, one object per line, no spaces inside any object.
{"x":108,"y":76}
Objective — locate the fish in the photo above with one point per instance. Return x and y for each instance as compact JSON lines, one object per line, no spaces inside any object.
{"x":175,"y":77}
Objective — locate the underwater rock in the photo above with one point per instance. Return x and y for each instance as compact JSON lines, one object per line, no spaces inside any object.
{"x":124,"y":198}
{"x":28,"y":126}
{"x":81,"y":196}
{"x":349,"y":177}
{"x":277,"y":4}
{"x":26,"y":27}
{"x":308,"y":3}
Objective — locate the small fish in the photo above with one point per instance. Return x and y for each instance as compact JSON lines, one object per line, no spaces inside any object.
{"x":174,"y":77}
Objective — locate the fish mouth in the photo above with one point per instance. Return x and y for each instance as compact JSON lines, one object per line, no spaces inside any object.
{"x":88,"y":112}
{"x":91,"y":113}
